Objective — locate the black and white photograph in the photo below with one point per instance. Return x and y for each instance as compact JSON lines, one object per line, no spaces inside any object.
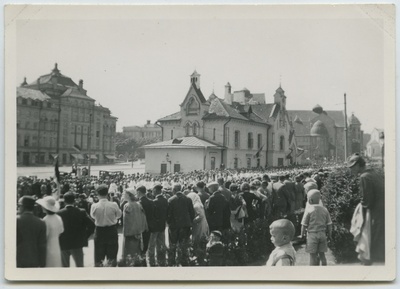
{"x":200,"y":142}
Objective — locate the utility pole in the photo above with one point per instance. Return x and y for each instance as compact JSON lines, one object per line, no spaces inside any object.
{"x":345,"y":129}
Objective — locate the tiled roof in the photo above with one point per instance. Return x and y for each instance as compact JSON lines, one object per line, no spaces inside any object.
{"x":307,"y":115}
{"x":263,"y":110}
{"x":174,"y":116}
{"x":199,"y":93}
{"x":61,"y":79}
{"x":184,"y":142}
{"x":32,"y":94}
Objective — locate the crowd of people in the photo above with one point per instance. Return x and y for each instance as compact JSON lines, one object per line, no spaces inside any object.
{"x":160,"y":217}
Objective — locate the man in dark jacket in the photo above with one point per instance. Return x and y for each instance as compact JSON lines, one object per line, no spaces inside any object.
{"x":280,"y":199}
{"x":148,"y":207}
{"x":251,"y":201}
{"x":218,"y":212}
{"x":31,"y":236}
{"x":157,"y":237}
{"x":180,"y":217}
{"x":77,"y":229}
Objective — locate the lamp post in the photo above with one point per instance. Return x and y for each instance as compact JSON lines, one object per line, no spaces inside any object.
{"x":382,"y":141}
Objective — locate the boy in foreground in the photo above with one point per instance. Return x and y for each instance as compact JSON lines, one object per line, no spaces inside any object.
{"x":317,"y":221}
{"x":282,"y":232}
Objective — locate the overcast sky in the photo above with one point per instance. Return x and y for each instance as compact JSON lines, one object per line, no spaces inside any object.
{"x":137,"y":62}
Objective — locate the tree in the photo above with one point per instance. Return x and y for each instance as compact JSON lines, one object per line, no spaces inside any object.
{"x":131,"y":147}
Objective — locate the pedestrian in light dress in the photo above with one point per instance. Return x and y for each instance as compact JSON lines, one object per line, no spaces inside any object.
{"x":54,"y":227}
{"x":200,"y":229}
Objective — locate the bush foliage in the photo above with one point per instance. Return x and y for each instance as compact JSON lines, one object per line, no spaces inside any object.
{"x":340,"y":195}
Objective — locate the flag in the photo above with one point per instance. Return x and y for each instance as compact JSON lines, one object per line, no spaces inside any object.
{"x":300,"y":152}
{"x":289,"y":156}
{"x":258,"y":152}
{"x":77,"y":148}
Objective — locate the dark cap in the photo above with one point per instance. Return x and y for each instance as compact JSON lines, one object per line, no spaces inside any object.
{"x":142,"y":189}
{"x":102,"y":190}
{"x":69,"y":197}
{"x":355,"y":159}
{"x":27,"y":202}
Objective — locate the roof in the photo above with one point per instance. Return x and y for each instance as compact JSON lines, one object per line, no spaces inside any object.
{"x":174,"y":116}
{"x":318,"y":129}
{"x":263,"y":110}
{"x":75,"y":92}
{"x":307,"y":115}
{"x":184,"y":142}
{"x":199,"y":93}
{"x":32,"y":94}
{"x":353,"y":120}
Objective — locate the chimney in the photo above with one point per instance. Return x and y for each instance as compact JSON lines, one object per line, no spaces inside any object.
{"x":228,"y":95}
{"x":148,"y":121}
{"x":24,"y":83}
{"x":80,"y":84}
{"x":38,"y":83}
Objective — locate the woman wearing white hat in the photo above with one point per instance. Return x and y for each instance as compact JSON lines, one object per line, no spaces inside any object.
{"x":54,"y":227}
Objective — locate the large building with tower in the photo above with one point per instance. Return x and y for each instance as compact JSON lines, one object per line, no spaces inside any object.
{"x":55,"y":116}
{"x":239,"y":130}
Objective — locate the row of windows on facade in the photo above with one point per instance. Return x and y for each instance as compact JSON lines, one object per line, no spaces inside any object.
{"x":48,"y":104}
{"x":250,"y":141}
{"x":51,"y":142}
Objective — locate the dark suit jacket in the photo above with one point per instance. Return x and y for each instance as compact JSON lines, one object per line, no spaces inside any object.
{"x":31,"y":241}
{"x":160,"y":213}
{"x":148,"y":207}
{"x":218,"y":212}
{"x":180,"y":211}
{"x":77,"y":228}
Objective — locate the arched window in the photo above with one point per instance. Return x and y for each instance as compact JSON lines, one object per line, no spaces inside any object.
{"x":250,"y":140}
{"x":187,"y":128}
{"x":192,"y":107}
{"x":282,"y":143}
{"x":196,"y":127}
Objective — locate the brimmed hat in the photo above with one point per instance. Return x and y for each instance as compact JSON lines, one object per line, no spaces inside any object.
{"x":27,"y":202}
{"x":217,"y":233}
{"x":49,"y":203}
{"x":354,"y":159}
{"x":157,"y":185}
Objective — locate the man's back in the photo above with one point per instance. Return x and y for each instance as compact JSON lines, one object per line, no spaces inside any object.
{"x":148,"y":207}
{"x":217,"y":211}
{"x":77,"y":228}
{"x":160,"y":213}
{"x":31,"y":241}
{"x":180,"y":211}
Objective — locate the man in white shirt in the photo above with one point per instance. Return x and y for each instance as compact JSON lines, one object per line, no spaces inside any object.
{"x":105,"y":215}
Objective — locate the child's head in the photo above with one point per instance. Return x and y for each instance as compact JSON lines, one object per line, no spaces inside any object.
{"x":313,"y":197}
{"x":282,"y":232}
{"x":215,"y":236}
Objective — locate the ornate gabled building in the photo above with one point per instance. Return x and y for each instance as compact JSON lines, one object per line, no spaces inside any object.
{"x":239,"y":131}
{"x":55,"y":116}
{"x":320,"y":134}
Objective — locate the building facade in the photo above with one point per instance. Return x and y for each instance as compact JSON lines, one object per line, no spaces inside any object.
{"x":375,"y":144}
{"x":320,"y":135}
{"x":55,"y":116}
{"x":149,"y":130}
{"x":239,"y":131}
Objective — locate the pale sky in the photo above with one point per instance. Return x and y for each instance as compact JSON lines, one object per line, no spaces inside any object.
{"x":137,"y":62}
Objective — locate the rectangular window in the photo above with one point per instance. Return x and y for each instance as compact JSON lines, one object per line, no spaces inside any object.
{"x":235,"y":163}
{"x":237,"y":139}
{"x":172,"y":133}
{"x":227,"y":136}
{"x":249,"y":163}
{"x":273,"y":141}
{"x":258,"y":163}
{"x":259,"y":140}
{"x":250,"y":140}
{"x":97,"y":133}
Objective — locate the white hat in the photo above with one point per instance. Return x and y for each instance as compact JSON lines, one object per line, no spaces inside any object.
{"x":49,"y":203}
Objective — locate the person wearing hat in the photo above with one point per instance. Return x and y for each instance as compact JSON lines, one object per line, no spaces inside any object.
{"x":217,"y":212}
{"x":77,"y":229}
{"x":251,"y":200}
{"x":372,"y":189}
{"x":280,"y":199}
{"x":105,"y":215}
{"x":215,"y":249}
{"x":200,"y":188}
{"x":54,"y":227}
{"x":31,"y":236}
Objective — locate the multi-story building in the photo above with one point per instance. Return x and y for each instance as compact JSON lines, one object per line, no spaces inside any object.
{"x":375,"y":144}
{"x":320,"y":134}
{"x":55,"y":116}
{"x":149,"y":130}
{"x":239,"y":131}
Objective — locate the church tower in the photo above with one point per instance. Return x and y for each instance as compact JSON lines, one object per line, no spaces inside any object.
{"x":195,"y":79}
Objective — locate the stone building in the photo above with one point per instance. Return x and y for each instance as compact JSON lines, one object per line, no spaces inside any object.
{"x":239,"y":131}
{"x":375,"y":144}
{"x":149,"y":130}
{"x":320,"y":134}
{"x":55,"y":116}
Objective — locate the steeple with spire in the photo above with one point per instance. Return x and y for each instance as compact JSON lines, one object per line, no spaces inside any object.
{"x":195,"y":79}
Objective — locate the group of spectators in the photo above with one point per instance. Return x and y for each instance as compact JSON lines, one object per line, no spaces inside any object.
{"x":158,"y":217}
